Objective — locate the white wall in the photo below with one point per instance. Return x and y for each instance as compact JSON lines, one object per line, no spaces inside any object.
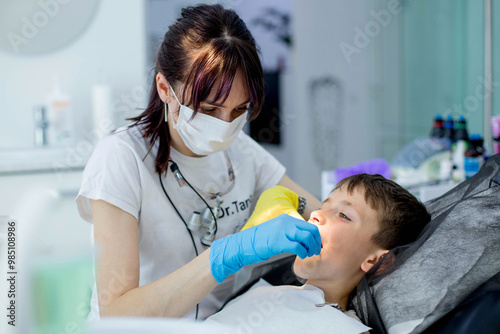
{"x":389,"y":115}
{"x":318,"y":31}
{"x":114,"y":44}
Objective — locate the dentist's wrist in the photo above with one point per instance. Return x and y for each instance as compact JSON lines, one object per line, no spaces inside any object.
{"x":224,"y":257}
{"x":302,"y":205}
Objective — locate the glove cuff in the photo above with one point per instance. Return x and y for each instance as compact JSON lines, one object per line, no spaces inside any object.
{"x":216,"y":261}
{"x":223,"y":260}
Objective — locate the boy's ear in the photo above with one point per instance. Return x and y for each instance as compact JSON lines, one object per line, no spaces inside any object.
{"x":372,"y":259}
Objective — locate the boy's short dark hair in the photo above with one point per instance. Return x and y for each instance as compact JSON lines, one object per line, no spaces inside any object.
{"x":401,"y":216}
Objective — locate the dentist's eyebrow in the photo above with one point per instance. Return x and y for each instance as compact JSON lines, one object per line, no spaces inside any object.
{"x":214,"y":103}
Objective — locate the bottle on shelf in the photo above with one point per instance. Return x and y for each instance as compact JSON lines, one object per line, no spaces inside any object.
{"x":449,"y":129}
{"x":60,"y":116}
{"x":438,"y":127}
{"x":461,"y":129}
{"x":495,"y":128}
{"x":474,"y":156}
{"x":459,"y":148}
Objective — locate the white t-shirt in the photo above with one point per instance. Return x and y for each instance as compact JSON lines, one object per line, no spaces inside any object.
{"x":286,"y":309}
{"x":118,"y":174}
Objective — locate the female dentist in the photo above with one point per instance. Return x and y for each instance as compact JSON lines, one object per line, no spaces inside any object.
{"x":147,"y":185}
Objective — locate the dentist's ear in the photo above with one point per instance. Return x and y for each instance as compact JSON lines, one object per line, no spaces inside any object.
{"x":163,"y":88}
{"x":372,"y":259}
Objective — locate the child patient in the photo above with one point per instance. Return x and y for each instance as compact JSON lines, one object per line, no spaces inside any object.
{"x":364,"y":217}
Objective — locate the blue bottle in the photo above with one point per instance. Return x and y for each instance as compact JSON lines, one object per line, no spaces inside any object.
{"x":474,"y":155}
{"x":449,"y":129}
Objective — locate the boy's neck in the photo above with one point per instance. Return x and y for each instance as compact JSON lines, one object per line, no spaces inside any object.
{"x":335,"y":291}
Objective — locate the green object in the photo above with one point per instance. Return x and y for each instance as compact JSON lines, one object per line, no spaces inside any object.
{"x":62,"y":291}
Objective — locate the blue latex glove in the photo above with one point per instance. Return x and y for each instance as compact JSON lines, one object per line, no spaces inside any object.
{"x":283,"y":234}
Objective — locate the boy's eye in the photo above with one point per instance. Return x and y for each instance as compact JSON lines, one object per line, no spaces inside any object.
{"x":343,"y":216}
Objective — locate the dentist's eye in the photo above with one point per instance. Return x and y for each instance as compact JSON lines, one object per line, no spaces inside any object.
{"x":207,"y":110}
{"x":343,"y":216}
{"x":239,"y":111}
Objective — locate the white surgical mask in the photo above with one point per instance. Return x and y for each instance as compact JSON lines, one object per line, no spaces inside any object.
{"x":206,"y":134}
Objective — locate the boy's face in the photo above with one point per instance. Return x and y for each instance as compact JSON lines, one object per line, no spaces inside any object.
{"x":346,"y":224}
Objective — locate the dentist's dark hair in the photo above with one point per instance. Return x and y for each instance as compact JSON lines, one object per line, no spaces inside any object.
{"x":207,"y":43}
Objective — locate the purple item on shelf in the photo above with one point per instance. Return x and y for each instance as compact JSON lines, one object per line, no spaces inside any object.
{"x":495,"y":127}
{"x":375,"y":166}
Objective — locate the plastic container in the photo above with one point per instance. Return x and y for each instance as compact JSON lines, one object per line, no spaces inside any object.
{"x":459,"y":148}
{"x":102,"y":115}
{"x":60,"y":130}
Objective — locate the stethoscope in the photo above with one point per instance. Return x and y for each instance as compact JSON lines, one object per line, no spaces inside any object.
{"x":207,"y":219}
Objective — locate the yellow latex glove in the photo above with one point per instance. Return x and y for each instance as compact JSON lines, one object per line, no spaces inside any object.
{"x":272,"y":203}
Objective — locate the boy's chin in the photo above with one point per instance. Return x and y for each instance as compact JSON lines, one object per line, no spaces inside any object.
{"x":303,"y":267}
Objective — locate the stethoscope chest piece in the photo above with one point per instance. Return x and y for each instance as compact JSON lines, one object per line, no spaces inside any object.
{"x":209,"y":221}
{"x":208,"y":218}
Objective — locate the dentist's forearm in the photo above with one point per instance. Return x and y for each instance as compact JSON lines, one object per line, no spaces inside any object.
{"x":171,"y":296}
{"x":312,"y":202}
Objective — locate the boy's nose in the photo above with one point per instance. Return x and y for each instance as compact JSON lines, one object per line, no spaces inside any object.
{"x":316,"y":218}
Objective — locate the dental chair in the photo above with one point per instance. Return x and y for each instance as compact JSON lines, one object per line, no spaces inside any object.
{"x":447,"y":281}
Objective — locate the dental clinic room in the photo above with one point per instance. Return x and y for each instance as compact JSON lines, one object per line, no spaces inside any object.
{"x":250,"y":166}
